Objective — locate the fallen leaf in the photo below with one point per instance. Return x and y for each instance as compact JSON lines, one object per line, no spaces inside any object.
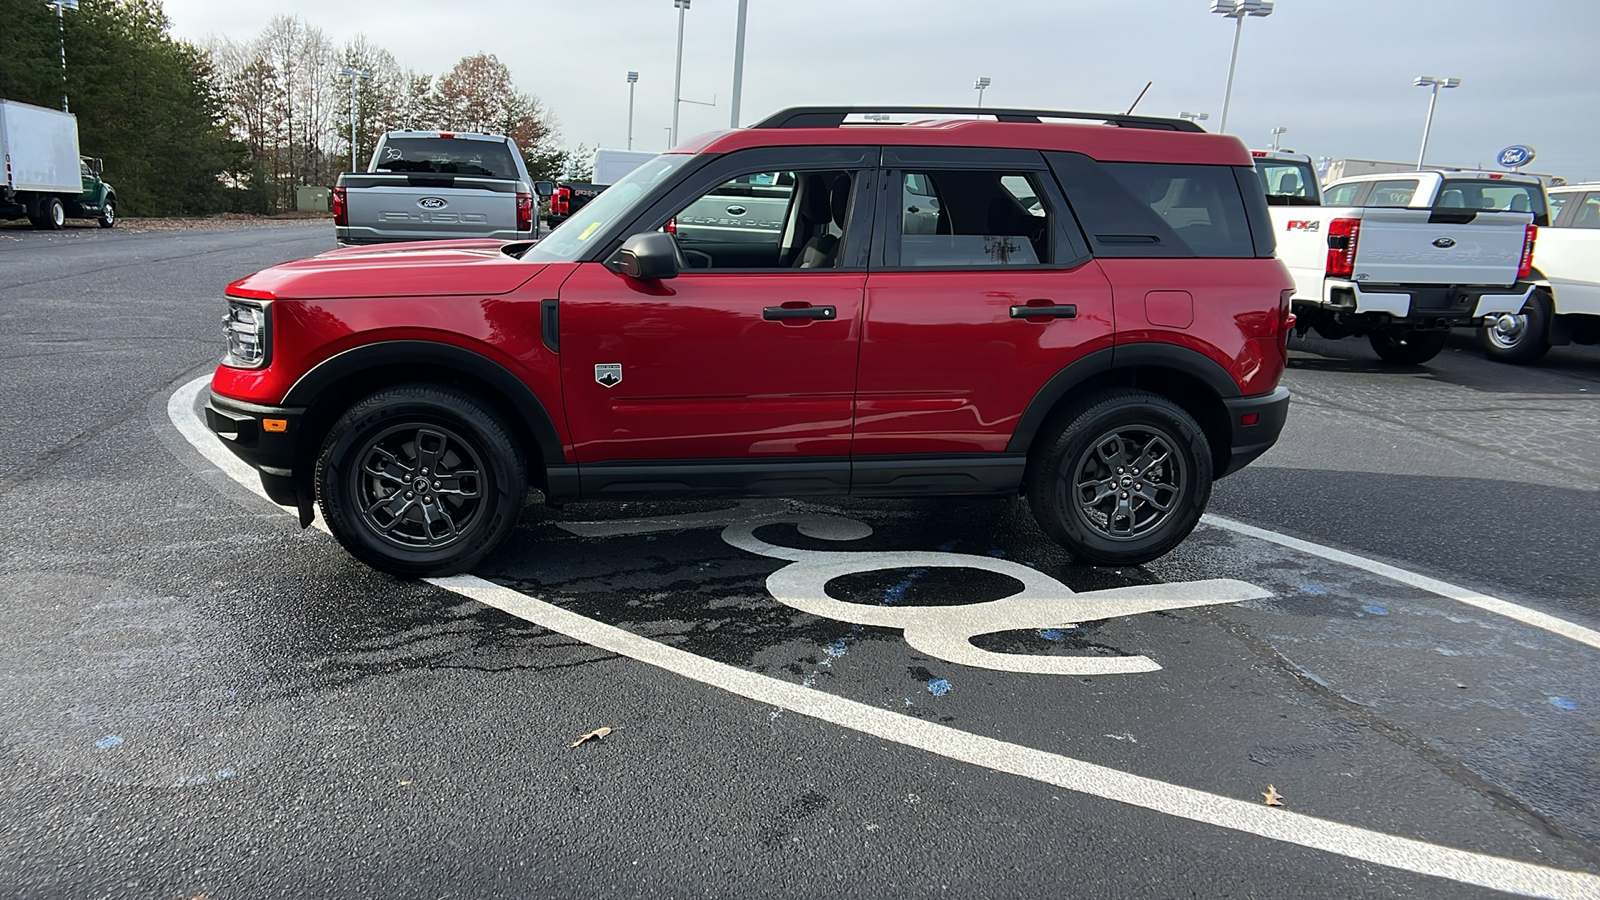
{"x":596,"y":735}
{"x":1272,"y":796}
{"x":404,"y":783}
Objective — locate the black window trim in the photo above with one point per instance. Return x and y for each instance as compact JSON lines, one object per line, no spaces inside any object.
{"x":693,"y":183}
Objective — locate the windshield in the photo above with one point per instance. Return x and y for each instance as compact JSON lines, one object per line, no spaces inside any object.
{"x":1514,"y":196}
{"x":568,"y":242}
{"x":1288,"y":182}
{"x":447,"y":156}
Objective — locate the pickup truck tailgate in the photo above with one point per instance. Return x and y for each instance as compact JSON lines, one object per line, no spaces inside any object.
{"x":385,"y":207}
{"x":1455,"y":247}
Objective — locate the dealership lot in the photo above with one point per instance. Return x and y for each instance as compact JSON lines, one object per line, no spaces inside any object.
{"x":205,"y":700}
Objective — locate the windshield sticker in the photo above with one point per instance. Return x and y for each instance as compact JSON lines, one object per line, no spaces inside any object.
{"x":593,"y":227}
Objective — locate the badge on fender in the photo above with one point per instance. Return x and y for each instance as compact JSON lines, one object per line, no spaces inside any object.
{"x":608,"y":374}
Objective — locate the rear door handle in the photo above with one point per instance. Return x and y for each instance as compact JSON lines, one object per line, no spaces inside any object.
{"x":1064,"y":311}
{"x":779,"y":313}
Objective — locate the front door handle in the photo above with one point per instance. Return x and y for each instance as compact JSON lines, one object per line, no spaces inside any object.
{"x":779,"y":313}
{"x":1064,"y":311}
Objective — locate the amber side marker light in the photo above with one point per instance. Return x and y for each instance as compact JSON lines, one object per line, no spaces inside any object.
{"x":274,"y":424}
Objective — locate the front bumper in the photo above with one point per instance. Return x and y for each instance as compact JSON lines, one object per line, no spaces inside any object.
{"x":265,"y":437}
{"x":1256,"y":422}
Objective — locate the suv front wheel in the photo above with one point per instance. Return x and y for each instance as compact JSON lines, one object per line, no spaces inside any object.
{"x":420,"y":480}
{"x":1122,"y":480}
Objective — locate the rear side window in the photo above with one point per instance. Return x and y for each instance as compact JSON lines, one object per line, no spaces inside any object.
{"x":973,"y":218}
{"x":447,"y":156}
{"x":1342,"y":194}
{"x":1288,"y":182}
{"x":1397,"y":192}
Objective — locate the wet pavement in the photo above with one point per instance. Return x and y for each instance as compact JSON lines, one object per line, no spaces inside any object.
{"x":199,"y":698}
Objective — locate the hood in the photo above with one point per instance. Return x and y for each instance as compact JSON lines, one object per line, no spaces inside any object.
{"x":417,"y":269}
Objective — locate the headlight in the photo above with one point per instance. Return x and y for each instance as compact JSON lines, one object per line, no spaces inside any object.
{"x":246,"y":327}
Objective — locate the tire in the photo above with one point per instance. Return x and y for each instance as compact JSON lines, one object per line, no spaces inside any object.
{"x":1407,"y":348}
{"x":382,"y":443}
{"x":52,"y":215}
{"x":1099,"y":447}
{"x":108,"y":214}
{"x":1530,"y":337}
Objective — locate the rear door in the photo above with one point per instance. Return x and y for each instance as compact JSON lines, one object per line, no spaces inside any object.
{"x":980,"y":294}
{"x":747,"y":356}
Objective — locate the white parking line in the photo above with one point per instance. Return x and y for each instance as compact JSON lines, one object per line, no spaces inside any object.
{"x":1049,"y":768}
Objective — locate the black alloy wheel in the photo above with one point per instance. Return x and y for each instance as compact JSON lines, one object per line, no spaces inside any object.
{"x":420,"y":480}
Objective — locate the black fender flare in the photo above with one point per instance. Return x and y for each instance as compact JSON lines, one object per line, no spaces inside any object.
{"x":527,"y":405}
{"x":1182,"y":360}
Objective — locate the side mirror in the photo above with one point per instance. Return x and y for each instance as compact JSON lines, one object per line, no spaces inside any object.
{"x":544,"y":188}
{"x":647,"y":257}
{"x":95,"y":166}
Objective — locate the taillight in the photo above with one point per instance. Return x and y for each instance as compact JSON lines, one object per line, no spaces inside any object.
{"x":672,"y":226}
{"x":1342,"y":237}
{"x":558,"y":201}
{"x":1525,"y":268}
{"x":341,"y":210}
{"x":524,"y":212}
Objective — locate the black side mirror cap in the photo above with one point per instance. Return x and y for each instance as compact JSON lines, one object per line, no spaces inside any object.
{"x":544,"y":188}
{"x":648,"y":257}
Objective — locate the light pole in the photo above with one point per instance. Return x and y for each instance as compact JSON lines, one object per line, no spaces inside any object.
{"x":61,"y":34}
{"x":633,"y":79}
{"x":1237,"y":10}
{"x":1276,"y":131}
{"x":1194,"y":117}
{"x":670,"y":142}
{"x":677,"y":77}
{"x":1435,"y":83}
{"x":978,"y":86}
{"x":738,"y":65}
{"x":355,"y":75}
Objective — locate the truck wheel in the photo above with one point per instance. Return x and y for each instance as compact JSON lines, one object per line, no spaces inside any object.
{"x":108,"y":215}
{"x":420,"y":480}
{"x":1122,"y":480}
{"x":1407,"y":348}
{"x":52,"y":215}
{"x":1525,"y":337}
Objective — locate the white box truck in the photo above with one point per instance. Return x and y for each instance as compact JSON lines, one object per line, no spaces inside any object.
{"x":610,"y":165}
{"x":45,"y":178}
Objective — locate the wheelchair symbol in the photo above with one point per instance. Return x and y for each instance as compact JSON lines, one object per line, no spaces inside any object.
{"x":943,"y":632}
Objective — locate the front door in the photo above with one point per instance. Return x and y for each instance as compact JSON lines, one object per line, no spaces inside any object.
{"x":748,"y":357}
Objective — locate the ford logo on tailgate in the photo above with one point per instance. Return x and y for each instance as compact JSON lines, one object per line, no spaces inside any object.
{"x":432,"y":203}
{"x":1444,"y":243}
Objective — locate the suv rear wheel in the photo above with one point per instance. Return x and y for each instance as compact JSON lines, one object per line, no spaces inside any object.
{"x":1122,"y":480}
{"x":420,"y":480}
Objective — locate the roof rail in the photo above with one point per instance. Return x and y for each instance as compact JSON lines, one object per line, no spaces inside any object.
{"x":834,"y":116}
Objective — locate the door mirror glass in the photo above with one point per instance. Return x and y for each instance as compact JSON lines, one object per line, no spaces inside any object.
{"x":544,"y":188}
{"x":647,"y":257}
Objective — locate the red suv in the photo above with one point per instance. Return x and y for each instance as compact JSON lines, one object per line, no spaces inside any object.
{"x":1081,"y":308}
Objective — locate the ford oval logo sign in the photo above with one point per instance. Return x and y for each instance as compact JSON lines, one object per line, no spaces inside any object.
{"x":1444,"y":243}
{"x":1516,"y":156}
{"x":432,"y":203}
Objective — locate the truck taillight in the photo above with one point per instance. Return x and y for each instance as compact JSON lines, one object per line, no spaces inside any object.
{"x":1342,"y":237}
{"x":524,"y":212}
{"x":341,"y":211}
{"x":558,"y":201}
{"x":1525,"y":268}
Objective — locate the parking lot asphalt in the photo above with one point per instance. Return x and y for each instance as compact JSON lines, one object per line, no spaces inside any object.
{"x":1391,"y":620}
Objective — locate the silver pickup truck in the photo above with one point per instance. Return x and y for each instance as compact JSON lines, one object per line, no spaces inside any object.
{"x":438,"y":185}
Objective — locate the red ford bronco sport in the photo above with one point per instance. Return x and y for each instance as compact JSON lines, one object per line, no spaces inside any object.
{"x":1082,"y":308}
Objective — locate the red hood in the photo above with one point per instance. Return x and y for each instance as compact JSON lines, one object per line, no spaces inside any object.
{"x":418,"y":269}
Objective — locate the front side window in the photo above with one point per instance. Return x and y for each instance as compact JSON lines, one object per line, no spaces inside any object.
{"x":973,"y":219}
{"x":1557,"y":203}
{"x":1399,"y":192}
{"x":766,"y":220}
{"x":1588,"y":213}
{"x":579,"y":232}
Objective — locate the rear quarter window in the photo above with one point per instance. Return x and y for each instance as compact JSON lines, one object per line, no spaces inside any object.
{"x":1162,"y":209}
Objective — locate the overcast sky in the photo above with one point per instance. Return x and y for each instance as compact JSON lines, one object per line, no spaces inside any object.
{"x":1337,"y":73}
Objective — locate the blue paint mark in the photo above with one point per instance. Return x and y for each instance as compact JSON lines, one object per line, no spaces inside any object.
{"x":949,"y":545}
{"x":226,"y":773}
{"x":230,"y":693}
{"x":897,"y":592}
{"x":1315,"y":590}
{"x":998,"y":554}
{"x":107,"y":742}
{"x":1375,"y":610}
{"x":1563,"y":703}
{"x":1052,"y":634}
{"x":837,"y":648}
{"x":938,"y":687}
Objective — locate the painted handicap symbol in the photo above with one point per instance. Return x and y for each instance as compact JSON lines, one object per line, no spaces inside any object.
{"x":944,"y":632}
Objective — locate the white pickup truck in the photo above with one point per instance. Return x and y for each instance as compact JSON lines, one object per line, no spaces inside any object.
{"x":1565,"y":305}
{"x":434,"y":185}
{"x":1401,"y":258}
